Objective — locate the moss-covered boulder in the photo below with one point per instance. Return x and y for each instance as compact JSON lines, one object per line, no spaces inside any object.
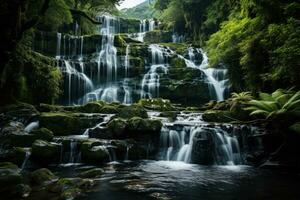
{"x":157,"y":104}
{"x":109,"y":109}
{"x":132,"y":111}
{"x":92,"y":107}
{"x":45,"y":152}
{"x":217,"y":116}
{"x":43,"y":134}
{"x":67,"y":123}
{"x":92,"y":173}
{"x":42,"y":176}
{"x":117,"y":128}
{"x":50,"y":108}
{"x":11,"y":182}
{"x":143,"y":129}
{"x":21,"y":111}
{"x":70,"y":188}
{"x":93,"y":152}
{"x":119,"y":41}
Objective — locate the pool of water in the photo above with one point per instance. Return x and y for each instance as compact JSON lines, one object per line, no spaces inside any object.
{"x":177,"y":180}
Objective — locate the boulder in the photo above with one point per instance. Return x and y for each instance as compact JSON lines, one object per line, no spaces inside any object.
{"x":109,"y":109}
{"x":45,"y":152}
{"x":143,"y":129}
{"x":117,"y":128}
{"x":42,"y":176}
{"x":217,"y":116}
{"x":11,"y":182}
{"x":92,"y":107}
{"x":63,"y":124}
{"x":43,"y":134}
{"x":21,"y":111}
{"x":132,"y":111}
{"x":92,"y":173}
{"x":93,"y":152}
{"x":156,"y":104}
{"x":203,"y":148}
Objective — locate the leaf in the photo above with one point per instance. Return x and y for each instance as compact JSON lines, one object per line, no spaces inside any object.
{"x":265,"y":97}
{"x":260,"y":112}
{"x":296,"y":97}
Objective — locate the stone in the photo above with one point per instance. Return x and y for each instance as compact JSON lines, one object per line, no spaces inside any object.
{"x":157,"y":104}
{"x":92,"y":107}
{"x":92,"y":173}
{"x":93,"y":152}
{"x":143,"y":129}
{"x":45,"y":152}
{"x":203,"y":148}
{"x":109,"y":109}
{"x":132,"y":111}
{"x":42,"y":176}
{"x":116,"y":128}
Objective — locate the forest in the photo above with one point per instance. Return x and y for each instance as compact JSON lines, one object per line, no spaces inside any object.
{"x":153,"y":99}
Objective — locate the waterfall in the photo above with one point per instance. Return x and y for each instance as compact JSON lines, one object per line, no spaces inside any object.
{"x":32,"y":126}
{"x":58,"y":46}
{"x":106,"y":119}
{"x":216,"y":77}
{"x":73,"y":151}
{"x":179,"y":141}
{"x":127,"y":60}
{"x":151,"y":80}
{"x":27,"y":155}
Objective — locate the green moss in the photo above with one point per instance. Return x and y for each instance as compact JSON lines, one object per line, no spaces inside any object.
{"x":132,"y":111}
{"x":157,"y":104}
{"x":92,"y":107}
{"x":63,"y":123}
{"x":179,"y":48}
{"x":119,"y":41}
{"x":217,"y":116}
{"x":117,"y":127}
{"x":92,"y":173}
{"x":109,"y":109}
{"x":41,"y":176}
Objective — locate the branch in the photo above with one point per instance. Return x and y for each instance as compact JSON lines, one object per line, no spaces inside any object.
{"x":83,"y":14}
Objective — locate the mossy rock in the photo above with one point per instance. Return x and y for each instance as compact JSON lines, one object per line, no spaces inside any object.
{"x":217,"y":116}
{"x":11,"y":182}
{"x":143,"y":129}
{"x":45,"y":152}
{"x":295,"y":128}
{"x":109,"y":109}
{"x":42,"y":176}
{"x":93,"y":152}
{"x":92,"y":173}
{"x":64,"y":123}
{"x":43,"y":134}
{"x":119,"y":41}
{"x":117,"y":127}
{"x":50,"y":108}
{"x":169,"y":114}
{"x":158,"y":36}
{"x":21,"y":111}
{"x":157,"y":104}
{"x":92,"y":107}
{"x":132,"y":111}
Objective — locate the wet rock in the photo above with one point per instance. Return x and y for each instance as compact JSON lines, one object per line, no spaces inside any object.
{"x":92,"y":173}
{"x":203,"y":148}
{"x":45,"y":152}
{"x":22,"y":112}
{"x":11,"y":182}
{"x":143,"y":129}
{"x":43,"y":134}
{"x":70,"y":188}
{"x":117,"y":128}
{"x":217,"y":116}
{"x":109,"y":109}
{"x":157,"y":104}
{"x":62,"y":124}
{"x":132,"y":111}
{"x":42,"y":176}
{"x":92,"y":107}
{"x":94,"y":152}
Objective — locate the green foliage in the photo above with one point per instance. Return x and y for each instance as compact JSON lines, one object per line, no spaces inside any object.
{"x":241,"y":97}
{"x":278,"y":103}
{"x":144,"y":10}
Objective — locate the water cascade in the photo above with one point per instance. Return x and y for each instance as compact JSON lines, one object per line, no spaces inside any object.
{"x":27,"y":156}
{"x":159,"y":64}
{"x":180,"y":140}
{"x":216,"y":78}
{"x":32,"y":126}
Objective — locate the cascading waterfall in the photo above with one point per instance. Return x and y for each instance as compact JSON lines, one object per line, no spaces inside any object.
{"x":27,"y":156}
{"x":177,"y":141}
{"x":151,"y":80}
{"x":73,"y":152}
{"x":215,"y":77}
{"x":32,"y":126}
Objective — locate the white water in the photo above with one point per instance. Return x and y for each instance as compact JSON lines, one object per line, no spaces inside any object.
{"x":212,"y":74}
{"x":32,"y":126}
{"x":106,"y":119}
{"x":176,"y":141}
{"x":27,"y":155}
{"x":151,"y":80}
